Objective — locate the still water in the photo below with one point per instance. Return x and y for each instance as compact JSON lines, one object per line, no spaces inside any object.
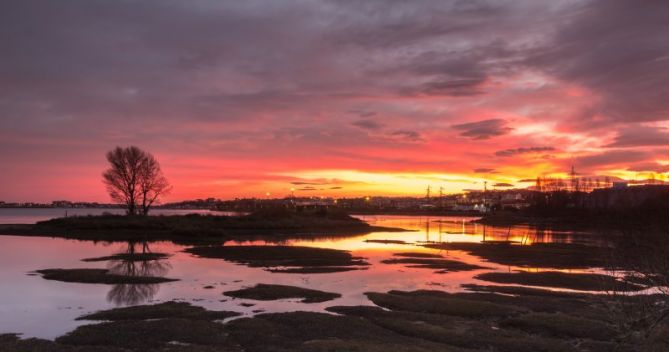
{"x":37,"y":307}
{"x":33,"y":215}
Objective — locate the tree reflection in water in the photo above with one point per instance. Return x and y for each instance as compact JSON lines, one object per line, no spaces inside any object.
{"x":136,"y":265}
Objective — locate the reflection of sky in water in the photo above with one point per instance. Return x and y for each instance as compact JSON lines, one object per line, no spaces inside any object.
{"x":33,"y":215}
{"x":38,"y":307}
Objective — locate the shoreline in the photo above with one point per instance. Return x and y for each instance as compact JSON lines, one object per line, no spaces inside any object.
{"x":194,"y":229}
{"x":418,"y":213}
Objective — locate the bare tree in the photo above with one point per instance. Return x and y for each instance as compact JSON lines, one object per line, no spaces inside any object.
{"x":152,"y":183}
{"x":134,"y":179}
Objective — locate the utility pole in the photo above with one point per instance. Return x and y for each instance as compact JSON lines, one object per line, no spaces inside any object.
{"x":441,"y":196}
{"x":485,"y":192}
{"x":427,"y":196}
{"x":573,"y":179}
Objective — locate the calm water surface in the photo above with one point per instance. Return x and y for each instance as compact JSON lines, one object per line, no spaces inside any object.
{"x":33,"y":215}
{"x":42,"y":308}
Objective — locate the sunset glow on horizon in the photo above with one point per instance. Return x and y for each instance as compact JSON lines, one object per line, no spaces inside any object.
{"x":335,"y":99}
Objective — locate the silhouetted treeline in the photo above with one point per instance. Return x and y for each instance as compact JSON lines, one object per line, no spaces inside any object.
{"x":650,"y":202}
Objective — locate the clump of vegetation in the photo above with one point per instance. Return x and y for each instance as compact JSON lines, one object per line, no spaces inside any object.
{"x":141,"y":335}
{"x":522,"y":291}
{"x":164,"y":310}
{"x":547,"y":255}
{"x":387,"y":241}
{"x":455,"y":332}
{"x":315,"y":269}
{"x":305,"y":331}
{"x":438,"y":302}
{"x":561,"y":325}
{"x":12,"y":343}
{"x":417,"y":255}
{"x":265,"y":292}
{"x":584,"y":282}
{"x":287,"y":259}
{"x":446,"y":265}
{"x":129,"y":257}
{"x":642,"y":253}
{"x":98,"y":276}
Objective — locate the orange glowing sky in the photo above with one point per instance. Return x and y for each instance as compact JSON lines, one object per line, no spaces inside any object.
{"x":237,"y":99}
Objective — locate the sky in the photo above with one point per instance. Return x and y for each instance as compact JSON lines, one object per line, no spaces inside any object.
{"x":332,"y":98}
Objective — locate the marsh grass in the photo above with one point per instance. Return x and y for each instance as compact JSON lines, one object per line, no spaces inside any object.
{"x":129,"y":257}
{"x":266,"y":292}
{"x":546,"y":255}
{"x":169,"y":309}
{"x":446,"y":265}
{"x":439,"y":303}
{"x":557,"y":279}
{"x":98,"y":276}
{"x":195,"y":228}
{"x":286,"y":259}
{"x":387,"y":241}
{"x":417,"y":255}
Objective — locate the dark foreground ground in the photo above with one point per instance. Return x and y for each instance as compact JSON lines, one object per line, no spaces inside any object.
{"x":496,"y":318}
{"x":492,"y":317}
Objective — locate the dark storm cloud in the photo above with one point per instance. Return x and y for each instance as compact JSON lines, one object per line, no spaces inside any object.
{"x":407,"y":135}
{"x":612,"y":158}
{"x":226,"y":60}
{"x":649,"y":167}
{"x":125,"y":64}
{"x":502,"y":184}
{"x":619,"y":49}
{"x":362,"y":113}
{"x":527,"y":150}
{"x":483,"y":129}
{"x":455,"y":87}
{"x":636,"y":136}
{"x":368,"y":124}
{"x":527,"y":180}
{"x":484,"y":171}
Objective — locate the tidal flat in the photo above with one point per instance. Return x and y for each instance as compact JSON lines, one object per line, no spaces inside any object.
{"x":383,"y":290}
{"x":411,"y":321}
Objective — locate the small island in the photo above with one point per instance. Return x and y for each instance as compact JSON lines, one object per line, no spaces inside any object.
{"x":193,"y":228}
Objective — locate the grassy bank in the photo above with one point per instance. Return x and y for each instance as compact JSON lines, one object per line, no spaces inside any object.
{"x":198,"y":228}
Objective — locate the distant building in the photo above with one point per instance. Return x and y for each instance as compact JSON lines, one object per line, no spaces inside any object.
{"x":619,"y":185}
{"x":472,"y":207}
{"x":313,"y":204}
